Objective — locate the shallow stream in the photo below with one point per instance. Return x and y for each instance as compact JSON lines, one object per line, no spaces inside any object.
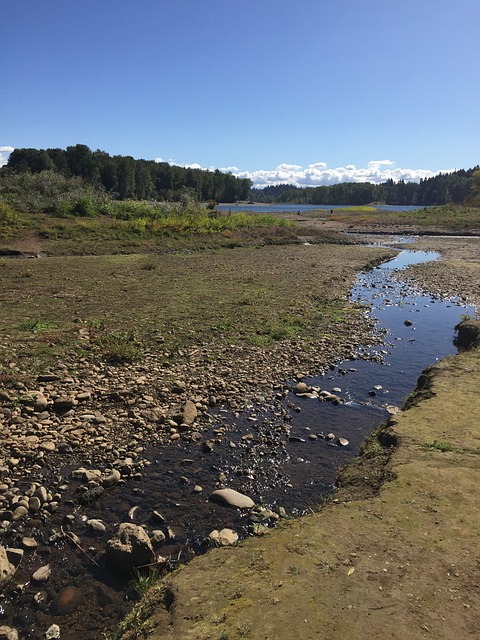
{"x":278,"y":455}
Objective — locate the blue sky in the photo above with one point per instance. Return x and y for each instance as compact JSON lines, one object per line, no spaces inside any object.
{"x":311,"y":91}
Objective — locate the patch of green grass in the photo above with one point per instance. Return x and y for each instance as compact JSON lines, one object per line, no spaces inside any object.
{"x":358,"y":208}
{"x":439,"y":446}
{"x":145,"y":579}
{"x":446,"y":447}
{"x":35,"y":325}
{"x":118,"y":347}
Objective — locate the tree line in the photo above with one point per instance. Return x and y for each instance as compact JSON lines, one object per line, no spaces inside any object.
{"x":444,"y":188}
{"x":124,"y":177}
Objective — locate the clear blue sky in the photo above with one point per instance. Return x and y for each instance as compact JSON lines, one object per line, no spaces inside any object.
{"x":318,"y":87}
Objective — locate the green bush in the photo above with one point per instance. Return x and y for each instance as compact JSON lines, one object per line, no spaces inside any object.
{"x":9,"y":219}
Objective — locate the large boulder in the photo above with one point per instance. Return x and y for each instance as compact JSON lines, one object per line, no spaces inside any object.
{"x":130,"y":547}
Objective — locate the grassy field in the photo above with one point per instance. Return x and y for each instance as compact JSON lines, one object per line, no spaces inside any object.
{"x":131,"y":303}
{"x":451,"y":218}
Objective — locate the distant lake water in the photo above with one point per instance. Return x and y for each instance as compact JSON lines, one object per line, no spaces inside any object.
{"x":303,"y":208}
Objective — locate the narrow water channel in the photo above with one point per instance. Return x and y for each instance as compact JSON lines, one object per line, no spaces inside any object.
{"x":278,"y":455}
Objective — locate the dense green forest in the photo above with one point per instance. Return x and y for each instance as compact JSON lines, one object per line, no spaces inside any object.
{"x":444,"y":188}
{"x":125,"y":178}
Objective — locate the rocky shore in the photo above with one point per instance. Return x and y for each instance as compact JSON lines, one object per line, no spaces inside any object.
{"x":80,"y":430}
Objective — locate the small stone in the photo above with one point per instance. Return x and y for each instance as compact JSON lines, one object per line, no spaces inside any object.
{"x":408,"y":323}
{"x":42,"y":494}
{"x":52,"y":632}
{"x":112,"y":479}
{"x":19,"y":512}
{"x":330,"y":436}
{"x":197,"y":489}
{"x":300,"y":387}
{"x":29,"y":543}
{"x":223,"y":538}
{"x":42,"y":574}
{"x":34,"y":504}
{"x":157,"y":537}
{"x":7,"y":633}
{"x":48,"y":446}
{"x":96,"y":526}
{"x":343,"y":442}
{"x":189,"y":413}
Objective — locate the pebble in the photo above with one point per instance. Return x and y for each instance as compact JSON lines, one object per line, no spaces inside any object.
{"x":52,"y":632}
{"x":42,"y":574}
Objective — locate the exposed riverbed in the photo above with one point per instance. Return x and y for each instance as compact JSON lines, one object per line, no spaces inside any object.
{"x":278,"y":453}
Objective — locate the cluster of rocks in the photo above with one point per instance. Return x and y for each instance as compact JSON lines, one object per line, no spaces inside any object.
{"x":82,"y":428}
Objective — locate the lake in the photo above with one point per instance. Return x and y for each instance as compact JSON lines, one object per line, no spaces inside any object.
{"x":303,"y":208}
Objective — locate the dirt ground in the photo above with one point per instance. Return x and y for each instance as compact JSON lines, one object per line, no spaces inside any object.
{"x":403,"y":564}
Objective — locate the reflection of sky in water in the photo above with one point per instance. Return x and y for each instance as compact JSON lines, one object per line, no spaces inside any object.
{"x":407,"y":350}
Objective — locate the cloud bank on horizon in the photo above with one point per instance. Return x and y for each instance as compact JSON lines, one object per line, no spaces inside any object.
{"x":318,"y":174}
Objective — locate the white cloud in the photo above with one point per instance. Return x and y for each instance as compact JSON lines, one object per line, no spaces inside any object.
{"x":318,"y":174}
{"x":5,"y":151}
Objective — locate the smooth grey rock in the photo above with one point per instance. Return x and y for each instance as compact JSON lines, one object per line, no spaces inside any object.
{"x":96,"y":526}
{"x":232,"y":498}
{"x":300,"y":387}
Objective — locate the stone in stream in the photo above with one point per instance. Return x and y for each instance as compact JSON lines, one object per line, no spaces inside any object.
{"x":53,"y":632}
{"x":301,"y":387}
{"x":232,"y":498}
{"x":343,"y":442}
{"x":130,"y":547}
{"x":67,"y":601}
{"x":223,"y":538}
{"x":43,"y":574}
{"x":8,"y":565}
{"x":112,"y":479}
{"x":7,"y":633}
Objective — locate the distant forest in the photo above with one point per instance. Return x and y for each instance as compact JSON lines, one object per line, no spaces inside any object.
{"x":125,"y":178}
{"x":443,"y":188}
